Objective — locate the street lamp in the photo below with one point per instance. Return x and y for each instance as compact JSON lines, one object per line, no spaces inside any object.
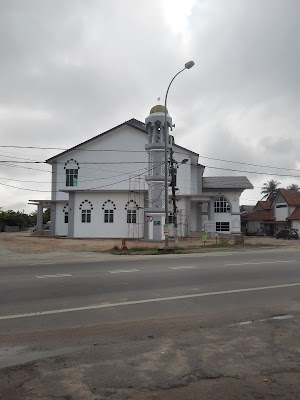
{"x":187,"y":65}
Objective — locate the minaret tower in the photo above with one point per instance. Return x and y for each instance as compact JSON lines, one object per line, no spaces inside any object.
{"x":155,"y":147}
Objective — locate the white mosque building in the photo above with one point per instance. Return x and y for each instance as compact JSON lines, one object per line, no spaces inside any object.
{"x":112,"y":186}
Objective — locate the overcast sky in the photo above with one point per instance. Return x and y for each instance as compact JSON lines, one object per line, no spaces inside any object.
{"x":71,"y":69}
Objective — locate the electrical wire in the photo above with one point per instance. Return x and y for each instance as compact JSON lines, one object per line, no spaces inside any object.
{"x":63,"y":173}
{"x":81,"y":176}
{"x":93,"y":188}
{"x":31,"y":190}
{"x":63,"y":149}
{"x":243,"y":163}
{"x":142,"y":151}
{"x":253,"y":172}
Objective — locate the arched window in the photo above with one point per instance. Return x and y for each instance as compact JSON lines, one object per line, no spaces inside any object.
{"x":109,"y":207}
{"x":71,"y":167}
{"x":222,"y":205}
{"x":132,"y":208}
{"x":86,"y":208}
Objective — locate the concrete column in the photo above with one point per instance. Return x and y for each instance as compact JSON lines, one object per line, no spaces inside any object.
{"x":54,"y":181}
{"x":199,"y":217}
{"x":53,"y":219}
{"x":39,"y":222}
{"x":146,"y":228}
{"x":211,"y":210}
{"x":211,"y":213}
{"x":188,"y":215}
{"x":71,"y":215}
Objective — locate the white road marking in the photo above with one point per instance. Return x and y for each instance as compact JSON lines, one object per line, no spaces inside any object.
{"x":43,"y":263}
{"x":120,"y":271}
{"x":155,"y":300}
{"x":282,"y":317}
{"x":261,"y":262}
{"x":52,"y":276}
{"x":184,"y":267}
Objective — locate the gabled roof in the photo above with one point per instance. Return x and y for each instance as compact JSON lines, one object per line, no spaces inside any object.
{"x":134,"y":123}
{"x":226,"y":182}
{"x":265,"y":205}
{"x":292,"y":197}
{"x":295,"y":214}
{"x":260,"y":215}
{"x":246,"y":208}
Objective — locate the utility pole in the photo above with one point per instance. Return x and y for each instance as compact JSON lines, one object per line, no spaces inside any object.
{"x":173,"y":170}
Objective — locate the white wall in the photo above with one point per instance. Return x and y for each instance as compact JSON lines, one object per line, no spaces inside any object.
{"x":234,"y":220}
{"x":124,"y":164}
{"x":296,"y":225}
{"x":193,"y":217}
{"x":281,"y":213}
{"x":97,"y":227}
{"x":61,"y":228}
{"x":100,"y":175}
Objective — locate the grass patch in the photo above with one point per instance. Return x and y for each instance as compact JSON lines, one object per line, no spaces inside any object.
{"x":153,"y":250}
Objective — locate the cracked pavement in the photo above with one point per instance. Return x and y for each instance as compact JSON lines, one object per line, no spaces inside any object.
{"x":191,"y":358}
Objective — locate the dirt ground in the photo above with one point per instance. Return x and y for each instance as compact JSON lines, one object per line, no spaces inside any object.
{"x":22,"y":242}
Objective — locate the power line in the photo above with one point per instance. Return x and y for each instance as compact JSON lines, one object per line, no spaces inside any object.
{"x":142,"y":151}
{"x":93,"y":188}
{"x":82,"y":163}
{"x":253,"y":172}
{"x":4,"y":154}
{"x":74,"y":149}
{"x":20,"y":166}
{"x":31,"y":190}
{"x":81,"y":176}
{"x":59,"y":173}
{"x":244,"y":163}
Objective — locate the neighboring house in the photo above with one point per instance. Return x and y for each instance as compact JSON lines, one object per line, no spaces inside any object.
{"x":269,"y":217}
{"x":111,"y":186}
{"x":246,"y":209}
{"x":260,"y":221}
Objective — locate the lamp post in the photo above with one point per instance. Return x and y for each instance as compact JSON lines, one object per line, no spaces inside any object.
{"x":188,"y":65}
{"x":174,"y":165}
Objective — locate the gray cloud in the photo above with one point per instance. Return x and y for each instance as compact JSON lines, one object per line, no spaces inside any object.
{"x":71,"y":69}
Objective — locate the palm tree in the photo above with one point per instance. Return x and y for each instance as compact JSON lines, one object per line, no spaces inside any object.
{"x":294,"y":186}
{"x":269,"y":188}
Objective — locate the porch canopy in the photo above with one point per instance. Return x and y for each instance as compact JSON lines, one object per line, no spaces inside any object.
{"x":41,"y":204}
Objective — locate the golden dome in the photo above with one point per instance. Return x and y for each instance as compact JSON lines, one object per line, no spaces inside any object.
{"x":159,"y":108}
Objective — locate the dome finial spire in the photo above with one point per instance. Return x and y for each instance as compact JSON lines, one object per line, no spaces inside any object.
{"x":159,"y":108}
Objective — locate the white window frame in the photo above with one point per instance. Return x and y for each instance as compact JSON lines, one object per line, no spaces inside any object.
{"x":131,"y":216}
{"x":86,"y":216}
{"x":72,"y":177}
{"x":108,"y":216}
{"x":223,"y":226}
{"x":221,"y":205}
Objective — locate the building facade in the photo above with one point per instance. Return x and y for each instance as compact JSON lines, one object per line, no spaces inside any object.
{"x":280,"y":211}
{"x":112,"y":186}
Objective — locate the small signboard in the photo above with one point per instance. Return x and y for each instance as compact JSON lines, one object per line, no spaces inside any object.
{"x":156,"y":222}
{"x":166,"y":230}
{"x":210,"y":227}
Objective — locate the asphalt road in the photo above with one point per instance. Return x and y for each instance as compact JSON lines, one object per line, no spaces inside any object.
{"x":218,"y":326}
{"x":46,"y":295}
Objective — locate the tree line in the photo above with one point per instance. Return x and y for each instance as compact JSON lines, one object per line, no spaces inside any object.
{"x":20,"y":219}
{"x":270,"y":187}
